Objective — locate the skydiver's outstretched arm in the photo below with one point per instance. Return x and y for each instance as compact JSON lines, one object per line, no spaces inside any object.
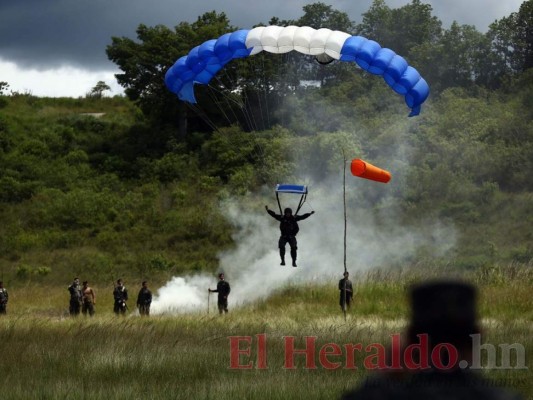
{"x":304,"y":216}
{"x":273,"y":214}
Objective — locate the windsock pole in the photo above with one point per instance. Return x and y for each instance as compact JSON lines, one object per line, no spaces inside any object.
{"x":345,"y":228}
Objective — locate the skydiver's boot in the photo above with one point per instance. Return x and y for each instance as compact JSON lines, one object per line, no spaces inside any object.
{"x":282,"y":256}
{"x":293,"y":256}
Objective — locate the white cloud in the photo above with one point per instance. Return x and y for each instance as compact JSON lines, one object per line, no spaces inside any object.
{"x":59,"y":82}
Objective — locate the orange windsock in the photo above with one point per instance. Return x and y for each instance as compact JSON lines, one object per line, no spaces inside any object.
{"x":363,"y":169}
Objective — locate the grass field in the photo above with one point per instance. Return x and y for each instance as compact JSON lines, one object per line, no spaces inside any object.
{"x":48,"y":355}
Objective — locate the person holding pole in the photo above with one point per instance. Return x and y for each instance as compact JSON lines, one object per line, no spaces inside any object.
{"x":345,"y":292}
{"x":223,"y":289}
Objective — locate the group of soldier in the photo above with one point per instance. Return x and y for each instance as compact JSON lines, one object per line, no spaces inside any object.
{"x":83,"y":299}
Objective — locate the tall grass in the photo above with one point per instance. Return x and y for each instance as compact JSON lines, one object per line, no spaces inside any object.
{"x":48,"y":355}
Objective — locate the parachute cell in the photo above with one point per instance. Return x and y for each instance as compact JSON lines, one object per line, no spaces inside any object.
{"x":204,"y":61}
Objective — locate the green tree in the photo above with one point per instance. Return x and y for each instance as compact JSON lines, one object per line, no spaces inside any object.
{"x":512,"y":39}
{"x":98,"y":90}
{"x":461,"y":57}
{"x":320,"y":15}
{"x":3,"y":86}
{"x":145,"y":62}
{"x":401,"y":29}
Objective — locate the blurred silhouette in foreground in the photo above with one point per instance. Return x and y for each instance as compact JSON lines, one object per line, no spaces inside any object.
{"x":442,"y":321}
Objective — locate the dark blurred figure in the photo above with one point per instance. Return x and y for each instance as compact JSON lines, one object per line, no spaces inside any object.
{"x":74,"y":289}
{"x":144,"y":300}
{"x":223,"y":289}
{"x":443,"y":312}
{"x":345,"y":291}
{"x":89,"y":299}
{"x":120,"y":297}
{"x":4,"y":297}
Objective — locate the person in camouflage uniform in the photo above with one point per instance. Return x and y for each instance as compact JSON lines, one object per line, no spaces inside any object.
{"x":223,"y":289}
{"x":4,"y":297}
{"x":444,"y":312}
{"x":144,"y":300}
{"x":120,"y":296}
{"x":75,"y":297}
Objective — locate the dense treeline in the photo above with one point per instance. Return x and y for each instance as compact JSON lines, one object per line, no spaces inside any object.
{"x":136,"y":191}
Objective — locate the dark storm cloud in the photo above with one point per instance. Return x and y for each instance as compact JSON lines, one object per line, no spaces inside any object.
{"x":49,"y":33}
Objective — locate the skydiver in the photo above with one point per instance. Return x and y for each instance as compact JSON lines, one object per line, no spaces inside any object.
{"x":289,"y":229}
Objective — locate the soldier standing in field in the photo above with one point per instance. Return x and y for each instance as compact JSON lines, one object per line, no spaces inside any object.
{"x":4,"y":297}
{"x":75,"y":297}
{"x":144,"y":299}
{"x":345,"y":291}
{"x":223,"y":289}
{"x":120,"y":295}
{"x":89,"y":299}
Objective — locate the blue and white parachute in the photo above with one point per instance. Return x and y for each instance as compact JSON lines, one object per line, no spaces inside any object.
{"x":204,"y":61}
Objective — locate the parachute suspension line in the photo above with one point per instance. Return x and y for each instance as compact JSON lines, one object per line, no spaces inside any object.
{"x":301,"y":203}
{"x":219,"y":104}
{"x":225,"y":99}
{"x":248,"y":112}
{"x":279,"y":204}
{"x":202,"y":114}
{"x":252,"y":69}
{"x":266,"y":91}
{"x":228,"y":100}
{"x":247,"y":69}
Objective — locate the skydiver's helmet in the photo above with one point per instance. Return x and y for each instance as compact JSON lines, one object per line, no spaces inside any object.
{"x":287,"y":211}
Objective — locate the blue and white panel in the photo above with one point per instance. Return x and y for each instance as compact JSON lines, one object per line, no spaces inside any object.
{"x":204,"y":61}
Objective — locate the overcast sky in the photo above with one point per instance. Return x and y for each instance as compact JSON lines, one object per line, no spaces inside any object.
{"x":57,"y":47}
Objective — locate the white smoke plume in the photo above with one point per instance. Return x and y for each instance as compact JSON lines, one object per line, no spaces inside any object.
{"x":253,"y":267}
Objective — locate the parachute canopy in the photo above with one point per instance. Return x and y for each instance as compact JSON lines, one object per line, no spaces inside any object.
{"x":363,"y":169}
{"x":284,"y":188}
{"x":204,"y":61}
{"x":296,"y":189}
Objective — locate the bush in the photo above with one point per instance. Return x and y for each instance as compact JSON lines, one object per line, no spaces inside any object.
{"x":43,"y":271}
{"x":23,"y":272}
